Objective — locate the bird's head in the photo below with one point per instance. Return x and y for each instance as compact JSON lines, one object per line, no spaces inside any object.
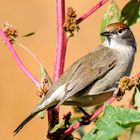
{"x":119,"y":34}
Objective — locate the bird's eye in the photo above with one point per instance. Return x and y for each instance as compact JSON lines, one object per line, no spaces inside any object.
{"x":120,"y":31}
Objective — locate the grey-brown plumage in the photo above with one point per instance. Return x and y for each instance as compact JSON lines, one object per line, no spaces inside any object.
{"x":93,"y":78}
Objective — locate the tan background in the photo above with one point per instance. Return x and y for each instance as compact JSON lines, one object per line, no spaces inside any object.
{"x":17,"y":93}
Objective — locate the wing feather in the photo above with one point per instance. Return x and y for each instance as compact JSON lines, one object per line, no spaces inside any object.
{"x":87,"y":70}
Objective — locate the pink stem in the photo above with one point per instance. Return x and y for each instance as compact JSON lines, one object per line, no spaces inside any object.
{"x":94,"y":116}
{"x":137,"y":75}
{"x":92,"y":10}
{"x":17,"y":59}
{"x":53,"y":115}
{"x":61,"y":49}
{"x":61,"y":40}
{"x":100,"y":110}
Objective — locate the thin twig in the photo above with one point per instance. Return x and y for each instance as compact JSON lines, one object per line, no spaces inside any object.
{"x":18,"y":60}
{"x":92,"y":10}
{"x":30,"y":53}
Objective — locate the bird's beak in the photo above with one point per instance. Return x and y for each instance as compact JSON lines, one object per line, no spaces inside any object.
{"x":105,"y":33}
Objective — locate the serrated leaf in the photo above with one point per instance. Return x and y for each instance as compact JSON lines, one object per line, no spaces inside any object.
{"x":131,"y":12}
{"x":112,"y":123}
{"x":29,"y":34}
{"x":111,"y":15}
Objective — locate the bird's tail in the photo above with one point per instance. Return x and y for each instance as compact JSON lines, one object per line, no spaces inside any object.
{"x":24,"y":122}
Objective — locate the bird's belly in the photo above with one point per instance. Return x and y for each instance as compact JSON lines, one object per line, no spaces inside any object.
{"x":87,"y":101}
{"x":95,"y":92}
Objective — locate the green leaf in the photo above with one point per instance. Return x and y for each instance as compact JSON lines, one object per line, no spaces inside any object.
{"x":81,"y":132}
{"x":44,"y":73}
{"x":137,"y":97}
{"x":61,"y":124}
{"x":29,"y":34}
{"x":111,"y":15}
{"x":131,"y":12}
{"x":41,"y":114}
{"x":58,"y":126}
{"x":74,"y":120}
{"x":113,"y":122}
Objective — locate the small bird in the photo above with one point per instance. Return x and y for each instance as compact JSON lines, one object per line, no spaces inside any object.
{"x":93,"y":78}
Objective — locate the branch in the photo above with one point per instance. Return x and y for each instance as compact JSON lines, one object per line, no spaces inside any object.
{"x":92,"y":117}
{"x":92,"y":10}
{"x":53,"y":115}
{"x":61,"y":40}
{"x":17,"y":59}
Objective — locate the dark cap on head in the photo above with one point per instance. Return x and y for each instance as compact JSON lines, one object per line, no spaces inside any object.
{"x":116,"y":26}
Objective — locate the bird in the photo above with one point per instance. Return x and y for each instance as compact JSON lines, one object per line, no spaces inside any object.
{"x":93,"y":78}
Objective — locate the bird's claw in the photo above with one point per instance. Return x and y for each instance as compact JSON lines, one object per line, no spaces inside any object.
{"x":85,"y":120}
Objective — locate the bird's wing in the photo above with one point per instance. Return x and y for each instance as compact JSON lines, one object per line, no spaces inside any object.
{"x":88,"y":69}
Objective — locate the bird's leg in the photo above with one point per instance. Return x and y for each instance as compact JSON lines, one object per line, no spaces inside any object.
{"x":85,"y":120}
{"x":118,"y":93}
{"x":84,"y":112}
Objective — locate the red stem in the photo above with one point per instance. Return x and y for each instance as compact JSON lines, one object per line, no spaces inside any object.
{"x":92,"y":10}
{"x":61,"y":40}
{"x":61,"y":51}
{"x":53,"y":115}
{"x":17,"y":59}
{"x":93,"y":116}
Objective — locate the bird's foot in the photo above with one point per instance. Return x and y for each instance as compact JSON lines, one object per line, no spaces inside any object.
{"x":85,"y":120}
{"x":83,"y":111}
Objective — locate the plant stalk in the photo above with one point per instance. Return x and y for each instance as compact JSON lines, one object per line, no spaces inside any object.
{"x":53,"y":114}
{"x":18,"y":60}
{"x":91,"y":11}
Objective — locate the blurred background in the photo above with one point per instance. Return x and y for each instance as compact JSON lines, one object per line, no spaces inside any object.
{"x":17,"y":93}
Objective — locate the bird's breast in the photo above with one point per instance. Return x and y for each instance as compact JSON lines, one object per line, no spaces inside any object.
{"x":123,"y":67}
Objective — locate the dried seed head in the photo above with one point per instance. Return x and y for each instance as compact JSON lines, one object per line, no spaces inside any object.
{"x":44,"y":86}
{"x":126,"y":83}
{"x":70,"y":26}
{"x":10,"y":32}
{"x":67,"y":118}
{"x":68,"y":115}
